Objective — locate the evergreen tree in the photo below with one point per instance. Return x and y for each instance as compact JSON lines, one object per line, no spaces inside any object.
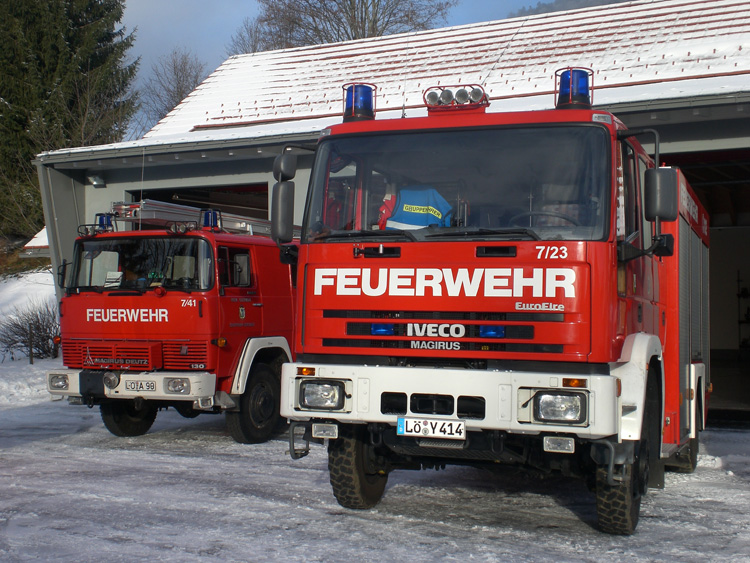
{"x":65,"y":81}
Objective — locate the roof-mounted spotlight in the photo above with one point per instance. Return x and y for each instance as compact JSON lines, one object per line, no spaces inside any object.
{"x":574,"y":88}
{"x":359,"y":101}
{"x":455,"y":97}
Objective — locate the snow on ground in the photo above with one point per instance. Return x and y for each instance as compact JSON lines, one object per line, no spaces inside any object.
{"x":19,"y":291}
{"x":70,"y":491}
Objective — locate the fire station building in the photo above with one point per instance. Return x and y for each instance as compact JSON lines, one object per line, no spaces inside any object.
{"x":681,"y":67}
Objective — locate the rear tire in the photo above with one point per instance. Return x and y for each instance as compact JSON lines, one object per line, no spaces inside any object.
{"x":355,"y":483}
{"x":122,"y":418}
{"x":688,"y":462}
{"x":258,"y":415}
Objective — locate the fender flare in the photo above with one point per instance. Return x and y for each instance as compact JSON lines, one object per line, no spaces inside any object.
{"x":252,"y":347}
{"x":638,"y":353}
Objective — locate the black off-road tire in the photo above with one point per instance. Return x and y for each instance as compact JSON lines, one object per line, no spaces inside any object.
{"x":258,"y":416}
{"x":354,"y":486}
{"x":123,"y":419}
{"x":618,"y":506}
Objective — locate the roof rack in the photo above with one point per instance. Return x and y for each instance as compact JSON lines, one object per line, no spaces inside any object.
{"x":159,"y":214}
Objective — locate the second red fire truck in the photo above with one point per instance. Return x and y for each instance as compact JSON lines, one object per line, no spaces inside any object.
{"x":191,"y":310}
{"x":525,"y":288}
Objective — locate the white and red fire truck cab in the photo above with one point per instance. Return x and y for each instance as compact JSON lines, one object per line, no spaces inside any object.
{"x":483,"y":288}
{"x":199,"y":319}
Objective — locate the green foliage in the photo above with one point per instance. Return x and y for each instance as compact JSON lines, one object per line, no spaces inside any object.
{"x":64,"y":82}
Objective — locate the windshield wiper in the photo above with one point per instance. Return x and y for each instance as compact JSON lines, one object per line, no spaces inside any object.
{"x":390,"y":233}
{"x":467,"y":232}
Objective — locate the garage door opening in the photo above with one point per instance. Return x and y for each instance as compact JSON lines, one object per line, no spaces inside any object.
{"x":248,"y":201}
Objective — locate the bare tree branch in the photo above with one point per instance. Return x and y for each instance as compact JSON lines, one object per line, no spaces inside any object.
{"x":172,"y":78}
{"x":293,"y":23}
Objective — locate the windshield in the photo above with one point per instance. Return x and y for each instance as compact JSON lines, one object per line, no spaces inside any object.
{"x":143,"y":262}
{"x":541,"y":183}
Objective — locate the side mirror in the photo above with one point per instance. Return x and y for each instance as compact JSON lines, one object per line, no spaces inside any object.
{"x":660,"y":194}
{"x":285,"y":167}
{"x":282,"y":211}
{"x":62,"y":272}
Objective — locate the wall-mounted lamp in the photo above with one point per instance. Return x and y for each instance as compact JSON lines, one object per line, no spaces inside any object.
{"x":97,"y":181}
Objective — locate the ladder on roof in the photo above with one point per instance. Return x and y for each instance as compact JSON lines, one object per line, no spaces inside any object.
{"x":159,"y":214}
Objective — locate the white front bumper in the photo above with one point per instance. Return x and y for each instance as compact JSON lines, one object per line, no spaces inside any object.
{"x":147,"y":385}
{"x":505,"y":394}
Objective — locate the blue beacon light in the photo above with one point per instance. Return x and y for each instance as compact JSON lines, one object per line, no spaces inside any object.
{"x":359,"y":103}
{"x":575,"y":91}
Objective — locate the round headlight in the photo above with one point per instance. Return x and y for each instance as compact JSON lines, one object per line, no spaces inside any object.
{"x":476,"y":95}
{"x":446,"y":97}
{"x":111,"y":380}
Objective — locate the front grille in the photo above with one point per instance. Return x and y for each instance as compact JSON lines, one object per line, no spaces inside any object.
{"x":437,"y":345}
{"x":513,"y":332}
{"x":141,"y":356}
{"x":431,"y":404}
{"x":467,"y":407}
{"x":444,"y":316}
{"x":185,"y":355}
{"x":112,"y":355}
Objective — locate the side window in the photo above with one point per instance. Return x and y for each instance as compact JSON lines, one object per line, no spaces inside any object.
{"x":340,"y":195}
{"x":632,"y":211}
{"x":235,"y":267}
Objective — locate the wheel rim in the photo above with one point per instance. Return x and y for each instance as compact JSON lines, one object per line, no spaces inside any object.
{"x":262,"y":403}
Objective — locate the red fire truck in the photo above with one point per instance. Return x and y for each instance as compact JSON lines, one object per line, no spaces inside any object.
{"x":173,"y":314}
{"x":497,"y":288}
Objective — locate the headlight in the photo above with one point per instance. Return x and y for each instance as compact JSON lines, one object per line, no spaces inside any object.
{"x":58,"y":381}
{"x":567,"y":408}
{"x":111,"y":380}
{"x":177,"y":385}
{"x":328,"y":395}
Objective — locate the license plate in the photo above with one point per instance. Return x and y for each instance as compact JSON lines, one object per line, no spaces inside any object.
{"x":135,"y":385}
{"x":431,"y":428}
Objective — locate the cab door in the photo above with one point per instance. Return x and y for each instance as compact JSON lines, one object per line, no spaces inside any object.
{"x":636,"y":285}
{"x":240,"y":304}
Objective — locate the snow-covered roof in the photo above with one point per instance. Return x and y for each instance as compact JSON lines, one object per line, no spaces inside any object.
{"x":639,"y":51}
{"x":38,"y":246}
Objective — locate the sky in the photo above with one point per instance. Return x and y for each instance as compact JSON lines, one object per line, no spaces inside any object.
{"x":204,"y":28}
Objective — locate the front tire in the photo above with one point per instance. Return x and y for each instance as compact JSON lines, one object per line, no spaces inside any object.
{"x":258,"y":415}
{"x":618,"y":506}
{"x":125,"y":419}
{"x":355,"y":482}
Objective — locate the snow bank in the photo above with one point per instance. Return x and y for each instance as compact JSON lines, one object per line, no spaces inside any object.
{"x":20,"y":382}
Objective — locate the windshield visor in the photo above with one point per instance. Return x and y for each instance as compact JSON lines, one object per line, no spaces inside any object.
{"x":142,"y":263}
{"x":545,"y":183}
